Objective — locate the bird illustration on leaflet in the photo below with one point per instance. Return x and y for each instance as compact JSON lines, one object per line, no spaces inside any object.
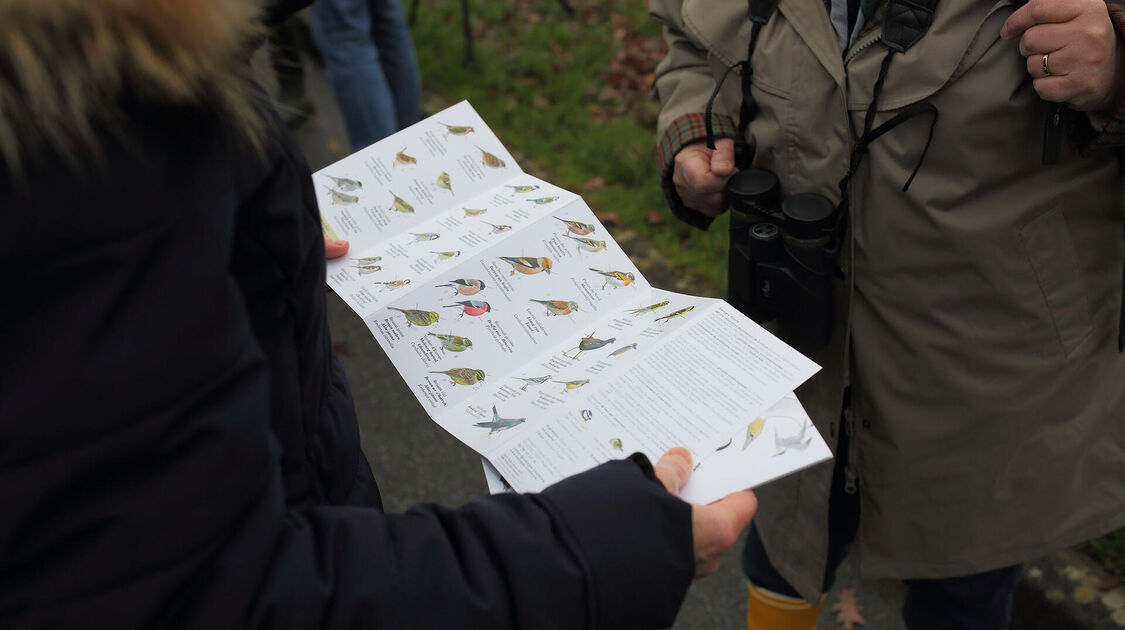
{"x":368,"y":268}
{"x":499,"y":424}
{"x":474,"y":212}
{"x":443,"y":182}
{"x":527,"y":265}
{"x":472,"y":308}
{"x":342,"y":198}
{"x":753,"y":430}
{"x":464,"y":286}
{"x":446,"y":255}
{"x":588,"y":343}
{"x":400,"y":204}
{"x":577,"y":227}
{"x":416,"y":317}
{"x":537,"y":380}
{"x":558,"y":307}
{"x":623,"y":349}
{"x":679,"y":313}
{"x":498,"y":229}
{"x":394,"y":284}
{"x":615,"y":278}
{"x":587,"y":244}
{"x":344,"y":184}
{"x":489,"y":160}
{"x":573,"y":384}
{"x":425,"y":236}
{"x":453,"y":343}
{"x":402,"y":159}
{"x":544,"y":200}
{"x":462,"y":376}
{"x":526,"y":188}
{"x":456,"y":130}
{"x":648,"y":309}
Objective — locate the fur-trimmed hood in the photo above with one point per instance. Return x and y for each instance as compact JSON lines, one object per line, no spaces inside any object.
{"x":65,"y":65}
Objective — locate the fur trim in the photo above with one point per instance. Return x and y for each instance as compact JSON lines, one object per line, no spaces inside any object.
{"x":65,"y":66}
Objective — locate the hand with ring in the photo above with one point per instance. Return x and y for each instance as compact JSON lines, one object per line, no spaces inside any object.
{"x":1074,"y":52}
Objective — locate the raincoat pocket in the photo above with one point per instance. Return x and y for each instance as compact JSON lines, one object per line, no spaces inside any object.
{"x":1047,"y":244}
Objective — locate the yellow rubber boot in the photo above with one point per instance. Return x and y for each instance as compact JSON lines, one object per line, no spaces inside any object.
{"x":767,"y":610}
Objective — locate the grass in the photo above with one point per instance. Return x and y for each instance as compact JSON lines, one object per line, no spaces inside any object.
{"x":549,"y":86}
{"x":567,"y":97}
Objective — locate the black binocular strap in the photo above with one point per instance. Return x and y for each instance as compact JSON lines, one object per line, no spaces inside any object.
{"x":760,"y":12}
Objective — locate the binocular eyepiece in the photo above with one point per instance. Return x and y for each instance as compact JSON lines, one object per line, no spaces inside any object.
{"x":781,"y":257}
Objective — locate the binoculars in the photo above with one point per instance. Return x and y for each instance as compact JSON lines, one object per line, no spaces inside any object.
{"x":782,"y":254}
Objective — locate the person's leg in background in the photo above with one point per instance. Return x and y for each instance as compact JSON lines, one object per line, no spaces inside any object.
{"x":982,"y":601}
{"x":772,"y":603}
{"x":342,"y":30}
{"x":396,"y":56}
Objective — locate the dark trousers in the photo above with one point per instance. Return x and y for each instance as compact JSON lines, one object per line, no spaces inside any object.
{"x":982,"y":601}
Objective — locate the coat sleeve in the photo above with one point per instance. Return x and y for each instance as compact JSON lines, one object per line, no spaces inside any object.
{"x":683,"y":82}
{"x":140,"y":475}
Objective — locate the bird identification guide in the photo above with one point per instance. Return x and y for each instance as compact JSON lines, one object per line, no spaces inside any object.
{"x":525,"y":331}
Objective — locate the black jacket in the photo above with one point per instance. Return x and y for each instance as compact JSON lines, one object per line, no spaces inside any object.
{"x":178,"y":446}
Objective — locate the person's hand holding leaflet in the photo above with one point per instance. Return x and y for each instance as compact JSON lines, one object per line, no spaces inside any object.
{"x":715,"y":527}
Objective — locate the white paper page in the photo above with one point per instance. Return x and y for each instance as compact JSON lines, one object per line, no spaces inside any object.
{"x":377,"y":196}
{"x":694,"y":388}
{"x":429,"y":251}
{"x":459,"y":352}
{"x":780,"y":441}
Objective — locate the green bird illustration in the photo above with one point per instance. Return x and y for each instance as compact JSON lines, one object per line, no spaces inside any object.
{"x":462,"y":376}
{"x":587,"y":244}
{"x":401,"y":205}
{"x":443,"y":182}
{"x":753,"y":430}
{"x":558,"y":307}
{"x":368,"y":269}
{"x":456,"y":130}
{"x":342,"y":198}
{"x":474,"y":212}
{"x":543,"y":200}
{"x":447,"y":255}
{"x":573,"y":384}
{"x":648,"y":309}
{"x":369,"y":260}
{"x":616,"y":444}
{"x":679,"y":313}
{"x":417,"y":317}
{"x":453,"y":343}
{"x":345,"y":184}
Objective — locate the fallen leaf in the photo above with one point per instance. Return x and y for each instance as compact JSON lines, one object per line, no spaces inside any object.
{"x":595,"y":183}
{"x":609,"y":219}
{"x":847,"y":609}
{"x":654,"y":216}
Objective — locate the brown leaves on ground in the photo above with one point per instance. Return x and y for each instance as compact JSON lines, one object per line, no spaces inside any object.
{"x":847,"y":609}
{"x":654,"y":216}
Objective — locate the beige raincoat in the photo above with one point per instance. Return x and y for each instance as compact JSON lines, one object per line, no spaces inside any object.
{"x":978,"y":325}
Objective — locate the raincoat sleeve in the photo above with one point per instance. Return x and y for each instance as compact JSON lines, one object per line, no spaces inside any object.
{"x":683,"y":82}
{"x":1110,"y":128}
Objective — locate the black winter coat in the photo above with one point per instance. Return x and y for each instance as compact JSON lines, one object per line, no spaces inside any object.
{"x":178,"y":447}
